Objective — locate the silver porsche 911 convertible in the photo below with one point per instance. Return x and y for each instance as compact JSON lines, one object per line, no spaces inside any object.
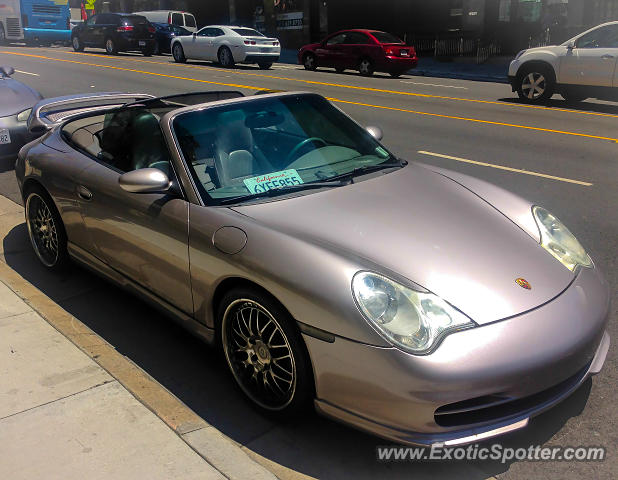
{"x":416,"y":303}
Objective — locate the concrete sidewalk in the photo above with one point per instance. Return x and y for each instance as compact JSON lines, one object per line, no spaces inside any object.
{"x":63,"y":416}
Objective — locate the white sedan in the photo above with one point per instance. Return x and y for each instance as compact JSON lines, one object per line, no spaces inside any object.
{"x":228,"y":46}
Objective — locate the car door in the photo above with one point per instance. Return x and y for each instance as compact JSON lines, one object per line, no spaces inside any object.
{"x":216,"y":41}
{"x":352,"y":49}
{"x":329,"y":52}
{"x":101,"y":27}
{"x":592,"y":61}
{"x":198,"y":44}
{"x":88,"y":32}
{"x":142,"y":236}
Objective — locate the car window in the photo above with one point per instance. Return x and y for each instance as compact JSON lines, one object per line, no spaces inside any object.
{"x":384,"y":37}
{"x":189,"y":20}
{"x":356,"y":38}
{"x":179,"y":30}
{"x":177,"y":19}
{"x":336,"y":40}
{"x":126,"y":139}
{"x":92,"y":20}
{"x":247,"y":32}
{"x":136,"y":20}
{"x":300,"y":138}
{"x":604,"y":37}
{"x":103,"y":19}
{"x":206,"y":32}
{"x":217,"y":32}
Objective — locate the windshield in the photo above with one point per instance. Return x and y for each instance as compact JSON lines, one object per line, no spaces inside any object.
{"x":247,"y":32}
{"x":247,"y":148}
{"x":384,"y":37}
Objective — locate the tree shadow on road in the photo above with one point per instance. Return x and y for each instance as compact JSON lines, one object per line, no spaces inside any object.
{"x":198,"y":376}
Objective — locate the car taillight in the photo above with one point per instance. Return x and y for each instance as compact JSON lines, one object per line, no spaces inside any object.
{"x":125,"y":28}
{"x":249,"y":42}
{"x":389,"y":51}
{"x":151,"y":29}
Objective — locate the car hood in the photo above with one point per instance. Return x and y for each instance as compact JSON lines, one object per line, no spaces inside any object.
{"x":431,"y":230}
{"x":16,"y":97}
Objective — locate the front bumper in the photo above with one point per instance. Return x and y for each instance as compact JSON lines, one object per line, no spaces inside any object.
{"x":19,"y":137}
{"x":479,"y":383}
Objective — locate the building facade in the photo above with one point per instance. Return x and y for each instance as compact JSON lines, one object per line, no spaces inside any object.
{"x":514,"y":24}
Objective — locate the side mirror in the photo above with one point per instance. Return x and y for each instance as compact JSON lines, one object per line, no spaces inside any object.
{"x":570,"y":45}
{"x":7,"y":71}
{"x":375,"y":132}
{"x":145,"y":180}
{"x":37,"y":130}
{"x":194,"y":34}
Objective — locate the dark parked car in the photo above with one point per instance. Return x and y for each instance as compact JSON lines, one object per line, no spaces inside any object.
{"x":367,"y":51}
{"x":16,"y":101}
{"x":164,"y":34}
{"x":116,"y":32}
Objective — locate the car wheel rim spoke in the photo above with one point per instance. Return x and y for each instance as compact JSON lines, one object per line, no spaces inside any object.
{"x":259,"y":354}
{"x":42,"y":230}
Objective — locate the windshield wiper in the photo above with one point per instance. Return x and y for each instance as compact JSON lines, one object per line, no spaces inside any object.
{"x":367,"y":169}
{"x":273,"y":192}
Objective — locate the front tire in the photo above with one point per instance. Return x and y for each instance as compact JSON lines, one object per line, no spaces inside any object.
{"x":45,"y":229}
{"x":226,"y":59}
{"x":265,"y":352}
{"x":178,"y":53}
{"x":536,"y":84}
{"x":310,"y":62}
{"x":110,"y":47}
{"x":78,"y":46}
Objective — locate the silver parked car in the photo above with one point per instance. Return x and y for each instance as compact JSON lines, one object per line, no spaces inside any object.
{"x":16,"y":101}
{"x":413,"y":302}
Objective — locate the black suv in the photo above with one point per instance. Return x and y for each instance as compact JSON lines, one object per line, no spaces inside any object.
{"x":115,"y":32}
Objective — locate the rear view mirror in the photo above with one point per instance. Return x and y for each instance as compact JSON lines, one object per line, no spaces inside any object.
{"x":264,"y":120}
{"x":145,"y":180}
{"x":7,"y":71}
{"x":375,"y":132}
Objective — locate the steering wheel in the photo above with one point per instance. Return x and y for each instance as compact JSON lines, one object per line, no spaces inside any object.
{"x":300,"y":145}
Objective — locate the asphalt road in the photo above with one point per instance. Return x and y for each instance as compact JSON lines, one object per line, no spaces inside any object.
{"x":563,"y":157}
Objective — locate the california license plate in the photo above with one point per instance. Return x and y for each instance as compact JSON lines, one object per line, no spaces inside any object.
{"x":264,"y":49}
{"x":403,"y":53}
{"x":5,"y":137}
{"x":142,"y":43}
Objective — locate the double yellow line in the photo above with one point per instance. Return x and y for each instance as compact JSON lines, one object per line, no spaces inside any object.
{"x":252,"y":87}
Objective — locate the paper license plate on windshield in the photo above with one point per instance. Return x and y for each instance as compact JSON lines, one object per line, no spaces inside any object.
{"x":142,"y":43}
{"x":5,"y":137}
{"x":263,"y":183}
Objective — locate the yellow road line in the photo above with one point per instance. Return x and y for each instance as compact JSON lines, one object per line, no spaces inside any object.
{"x":135,"y":71}
{"x":476,"y":120}
{"x":508,"y":169}
{"x":355,"y":87}
{"x":251,"y":87}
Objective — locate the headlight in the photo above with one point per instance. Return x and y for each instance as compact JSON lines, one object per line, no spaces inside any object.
{"x":519,"y":54}
{"x":558,"y":241}
{"x":413,"y":321}
{"x":23,"y":116}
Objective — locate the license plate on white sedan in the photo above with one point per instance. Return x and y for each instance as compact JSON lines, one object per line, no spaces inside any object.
{"x":265,"y":49}
{"x":142,"y":43}
{"x":5,"y":137}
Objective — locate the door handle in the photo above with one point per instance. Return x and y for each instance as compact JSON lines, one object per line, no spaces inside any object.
{"x":607,"y":56}
{"x":84,"y":193}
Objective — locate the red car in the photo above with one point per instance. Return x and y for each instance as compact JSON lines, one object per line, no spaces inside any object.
{"x":367,"y":51}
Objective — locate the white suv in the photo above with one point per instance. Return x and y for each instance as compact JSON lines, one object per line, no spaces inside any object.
{"x":582,"y":67}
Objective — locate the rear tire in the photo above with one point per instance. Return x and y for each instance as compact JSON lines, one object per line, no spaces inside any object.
{"x":310,"y":62}
{"x":365,"y":67}
{"x":110,"y":47}
{"x":156,"y":50}
{"x":265,"y":65}
{"x":45,"y":229}
{"x":147,"y":52}
{"x":536,"y":83}
{"x":339,"y":69}
{"x":226,"y":59}
{"x":395,"y":74}
{"x":265,"y":352}
{"x":178,"y":53}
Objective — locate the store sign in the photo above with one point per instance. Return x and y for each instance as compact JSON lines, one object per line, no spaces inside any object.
{"x":290,"y":21}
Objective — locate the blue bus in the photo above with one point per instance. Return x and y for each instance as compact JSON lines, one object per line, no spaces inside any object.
{"x":35,"y":21}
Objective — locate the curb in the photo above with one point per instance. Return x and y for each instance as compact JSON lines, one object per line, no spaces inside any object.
{"x":214,"y":447}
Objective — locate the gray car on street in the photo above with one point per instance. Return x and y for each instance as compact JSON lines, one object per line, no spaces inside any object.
{"x":413,"y":302}
{"x":16,"y":101}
